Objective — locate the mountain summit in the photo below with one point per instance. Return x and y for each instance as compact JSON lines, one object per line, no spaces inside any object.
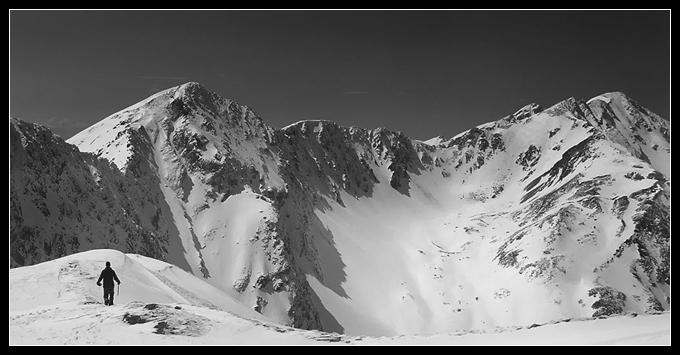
{"x":543,"y":214}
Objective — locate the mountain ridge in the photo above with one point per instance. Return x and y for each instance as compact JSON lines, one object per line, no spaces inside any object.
{"x":288,"y":217}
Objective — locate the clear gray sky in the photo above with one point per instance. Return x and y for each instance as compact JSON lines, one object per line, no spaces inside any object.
{"x":425,"y":73}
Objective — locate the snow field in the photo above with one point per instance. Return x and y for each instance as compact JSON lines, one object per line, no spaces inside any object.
{"x":53,"y":303}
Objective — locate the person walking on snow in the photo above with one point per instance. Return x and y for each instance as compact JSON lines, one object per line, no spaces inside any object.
{"x":108,"y":275}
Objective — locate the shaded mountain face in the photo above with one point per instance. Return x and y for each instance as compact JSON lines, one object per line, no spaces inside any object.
{"x":544,"y":214}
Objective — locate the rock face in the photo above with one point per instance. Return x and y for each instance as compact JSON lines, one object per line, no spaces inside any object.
{"x":63,"y":201}
{"x":541,"y":215}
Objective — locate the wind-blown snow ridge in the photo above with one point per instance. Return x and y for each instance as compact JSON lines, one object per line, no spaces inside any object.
{"x":542,"y":215}
{"x":54,"y":301}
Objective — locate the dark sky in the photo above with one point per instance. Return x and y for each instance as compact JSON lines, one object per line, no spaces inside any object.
{"x":425,"y":73}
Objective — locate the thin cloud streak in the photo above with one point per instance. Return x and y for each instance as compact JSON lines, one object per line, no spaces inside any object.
{"x":163,"y":77}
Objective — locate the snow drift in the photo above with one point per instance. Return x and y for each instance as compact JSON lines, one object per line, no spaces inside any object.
{"x":542,"y":215}
{"x":58,"y":303}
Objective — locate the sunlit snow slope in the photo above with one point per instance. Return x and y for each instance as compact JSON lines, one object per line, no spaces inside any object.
{"x":539,"y":216}
{"x":58,"y":303}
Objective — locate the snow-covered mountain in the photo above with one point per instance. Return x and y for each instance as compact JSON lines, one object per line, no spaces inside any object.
{"x":541,"y":215}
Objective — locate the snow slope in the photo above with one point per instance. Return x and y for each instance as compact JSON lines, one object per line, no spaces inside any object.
{"x":511,"y":223}
{"x":536,"y":217}
{"x":57,"y":303}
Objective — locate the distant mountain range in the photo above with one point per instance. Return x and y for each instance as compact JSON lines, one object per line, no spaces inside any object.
{"x":542,"y":215}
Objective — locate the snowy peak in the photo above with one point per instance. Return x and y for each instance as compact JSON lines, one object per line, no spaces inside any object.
{"x":189,"y":108}
{"x":434,"y":140}
{"x":193,"y":89}
{"x":521,"y":114}
{"x":195,"y":98}
{"x":625,"y":122}
{"x":527,"y":111}
{"x":607,"y":97}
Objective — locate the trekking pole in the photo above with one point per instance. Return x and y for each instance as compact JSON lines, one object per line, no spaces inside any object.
{"x":118,"y":290}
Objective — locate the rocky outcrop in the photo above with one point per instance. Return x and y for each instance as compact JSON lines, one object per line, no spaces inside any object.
{"x":64,"y":201}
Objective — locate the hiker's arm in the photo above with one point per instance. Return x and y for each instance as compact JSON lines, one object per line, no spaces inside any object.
{"x":115,"y":277}
{"x":101,"y":276}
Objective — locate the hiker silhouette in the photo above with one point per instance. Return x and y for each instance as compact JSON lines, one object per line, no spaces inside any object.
{"x":108,"y":275}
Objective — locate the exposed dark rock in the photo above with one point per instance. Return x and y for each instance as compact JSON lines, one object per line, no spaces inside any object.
{"x":610,"y":301}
